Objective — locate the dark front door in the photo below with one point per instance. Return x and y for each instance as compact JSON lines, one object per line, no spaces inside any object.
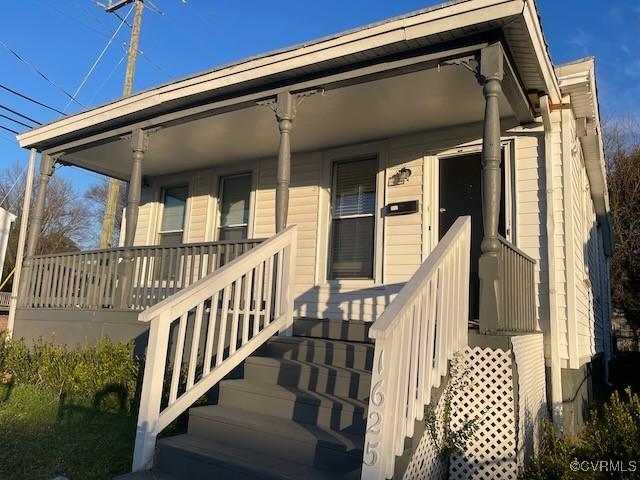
{"x":461,"y":194}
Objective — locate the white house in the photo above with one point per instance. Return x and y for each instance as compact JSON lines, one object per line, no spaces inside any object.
{"x":315,"y":232}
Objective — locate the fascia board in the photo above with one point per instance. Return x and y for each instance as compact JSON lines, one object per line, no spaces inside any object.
{"x":454,"y":16}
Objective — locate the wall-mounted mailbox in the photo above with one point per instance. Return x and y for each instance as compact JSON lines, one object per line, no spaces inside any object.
{"x":402,"y":208}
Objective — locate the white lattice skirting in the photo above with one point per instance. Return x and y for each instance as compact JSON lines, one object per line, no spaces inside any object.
{"x":508,"y":434}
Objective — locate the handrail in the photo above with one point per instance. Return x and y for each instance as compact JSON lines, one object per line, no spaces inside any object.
{"x":143,"y":247}
{"x":507,"y":243}
{"x":124,"y":278}
{"x":416,"y":336}
{"x":201,"y":333}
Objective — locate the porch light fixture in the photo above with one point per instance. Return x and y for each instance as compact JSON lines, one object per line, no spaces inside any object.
{"x":401,"y":176}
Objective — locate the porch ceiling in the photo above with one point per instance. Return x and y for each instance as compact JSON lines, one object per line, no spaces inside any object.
{"x":420,"y":101}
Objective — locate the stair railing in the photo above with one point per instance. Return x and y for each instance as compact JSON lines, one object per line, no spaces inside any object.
{"x":200,"y":334}
{"x":415,"y":337}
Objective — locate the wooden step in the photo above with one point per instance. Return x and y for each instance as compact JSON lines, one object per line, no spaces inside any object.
{"x":314,"y":377}
{"x":321,"y":351}
{"x":351,"y":330}
{"x":311,"y":445}
{"x":299,"y":405}
{"x":188,"y":457}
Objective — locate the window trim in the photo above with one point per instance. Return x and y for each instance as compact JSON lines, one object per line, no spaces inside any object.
{"x":220,"y":192}
{"x":187,"y":207}
{"x":377,"y":150}
{"x":333,"y":217}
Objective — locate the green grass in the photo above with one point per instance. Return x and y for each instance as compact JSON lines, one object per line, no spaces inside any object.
{"x":42,"y":437}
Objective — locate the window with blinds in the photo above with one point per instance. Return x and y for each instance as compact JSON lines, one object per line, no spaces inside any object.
{"x":235,"y":192}
{"x":173,"y":214}
{"x":353,"y":219}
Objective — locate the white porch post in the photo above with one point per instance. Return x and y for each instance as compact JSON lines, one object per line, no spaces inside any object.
{"x":35,"y":229}
{"x":24,"y":221}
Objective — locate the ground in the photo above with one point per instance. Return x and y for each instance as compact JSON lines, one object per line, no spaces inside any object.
{"x":42,"y":437}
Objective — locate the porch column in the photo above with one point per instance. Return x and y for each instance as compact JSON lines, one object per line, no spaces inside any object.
{"x":46,"y":170}
{"x":285,"y":111}
{"x":35,"y":229}
{"x":139,"y":144}
{"x":491,"y":74}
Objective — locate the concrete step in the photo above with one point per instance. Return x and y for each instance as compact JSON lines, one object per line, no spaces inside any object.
{"x":352,"y":330}
{"x":188,"y":457}
{"x":340,"y":381}
{"x":321,"y":351}
{"x":290,"y":403}
{"x":335,"y":452}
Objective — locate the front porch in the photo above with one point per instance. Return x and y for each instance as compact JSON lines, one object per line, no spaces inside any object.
{"x":322,"y":122}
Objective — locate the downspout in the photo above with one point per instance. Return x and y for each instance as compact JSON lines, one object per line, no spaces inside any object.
{"x":554,"y":327}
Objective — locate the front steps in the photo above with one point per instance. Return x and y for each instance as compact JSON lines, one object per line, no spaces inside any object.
{"x":298,"y":412}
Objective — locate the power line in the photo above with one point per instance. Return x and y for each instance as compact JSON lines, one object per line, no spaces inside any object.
{"x":35,"y":69}
{"x":15,"y":121}
{"x":8,"y":139}
{"x":20,"y":115}
{"x":8,"y":129}
{"x":107,"y":78}
{"x":26,"y":97}
{"x":13,"y":186}
{"x":95,"y":64}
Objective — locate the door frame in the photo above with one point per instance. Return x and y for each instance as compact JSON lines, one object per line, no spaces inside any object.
{"x":432,"y":188}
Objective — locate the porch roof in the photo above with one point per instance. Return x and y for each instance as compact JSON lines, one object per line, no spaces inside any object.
{"x":516,"y":20}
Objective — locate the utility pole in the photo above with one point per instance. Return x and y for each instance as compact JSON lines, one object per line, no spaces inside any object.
{"x":113,"y":190}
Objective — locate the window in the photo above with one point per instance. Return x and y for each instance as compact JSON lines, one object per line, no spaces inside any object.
{"x":173,"y":215}
{"x":235,"y":192}
{"x":353,"y":219}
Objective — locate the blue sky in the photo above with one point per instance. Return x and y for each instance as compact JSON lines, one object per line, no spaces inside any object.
{"x":62,"y":38}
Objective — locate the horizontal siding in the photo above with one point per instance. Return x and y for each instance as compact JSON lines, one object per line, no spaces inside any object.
{"x":306,"y":171}
{"x":403,"y":234}
{"x":199,"y":216}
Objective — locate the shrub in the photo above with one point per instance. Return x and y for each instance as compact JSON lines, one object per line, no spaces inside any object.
{"x":611,"y":435}
{"x":445,"y":438}
{"x":103,"y":372}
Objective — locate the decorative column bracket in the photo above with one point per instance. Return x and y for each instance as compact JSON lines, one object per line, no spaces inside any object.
{"x":284,"y":105}
{"x":490,"y":77}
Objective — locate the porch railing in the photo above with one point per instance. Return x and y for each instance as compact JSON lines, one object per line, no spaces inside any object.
{"x":514,"y":309}
{"x":415,"y":337}
{"x":201,"y":333}
{"x":5,"y":298}
{"x":517,"y":274}
{"x":132,"y":278}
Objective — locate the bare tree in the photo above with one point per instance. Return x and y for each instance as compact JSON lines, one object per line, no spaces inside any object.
{"x":68,"y":221}
{"x":97,"y":195}
{"x":622,"y":151}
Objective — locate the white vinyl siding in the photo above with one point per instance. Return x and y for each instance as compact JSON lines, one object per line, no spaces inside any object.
{"x":407,"y":239}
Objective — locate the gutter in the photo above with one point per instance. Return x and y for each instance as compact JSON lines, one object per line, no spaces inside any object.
{"x":554,"y":327}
